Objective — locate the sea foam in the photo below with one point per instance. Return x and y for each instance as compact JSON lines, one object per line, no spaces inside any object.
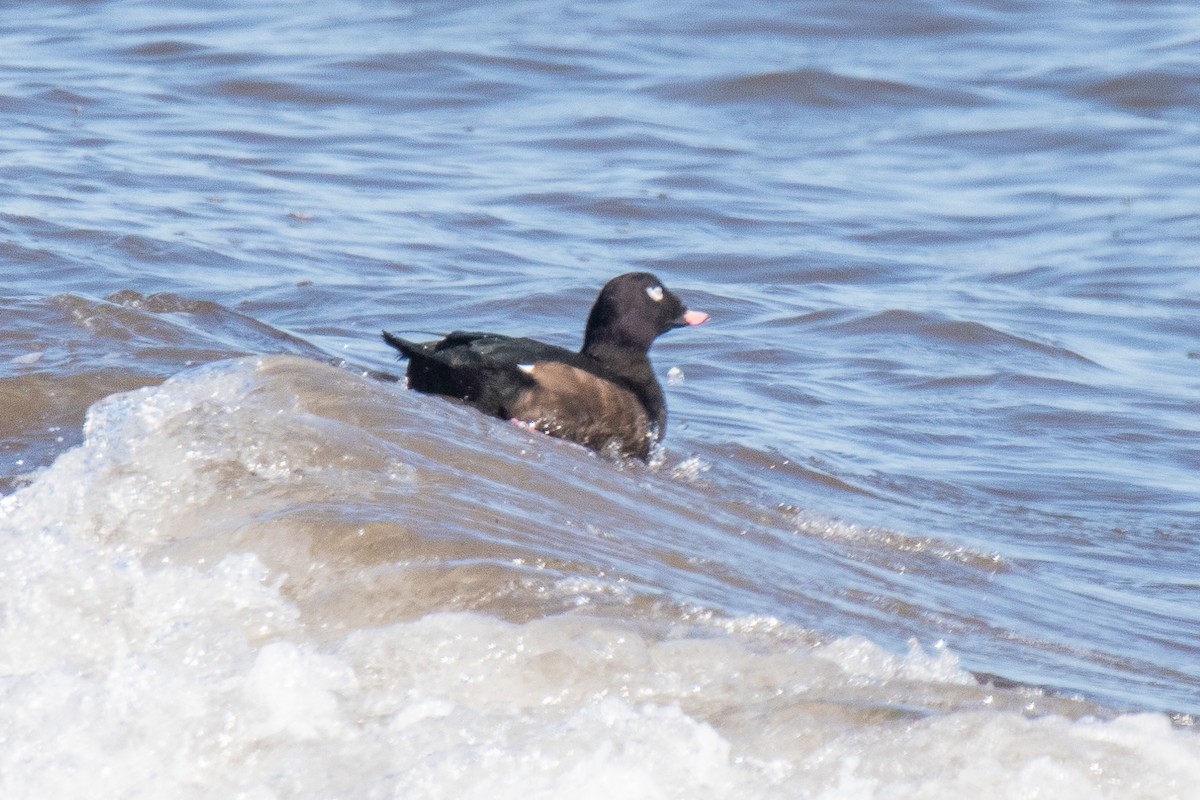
{"x":130,"y":668}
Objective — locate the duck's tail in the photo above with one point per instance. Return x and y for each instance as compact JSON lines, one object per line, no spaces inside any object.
{"x":407,"y":349}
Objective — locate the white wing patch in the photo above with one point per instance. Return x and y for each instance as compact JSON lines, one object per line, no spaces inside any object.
{"x":526,"y":368}
{"x":655,"y":292}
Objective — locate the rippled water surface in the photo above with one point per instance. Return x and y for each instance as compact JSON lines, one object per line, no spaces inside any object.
{"x":927,"y":517}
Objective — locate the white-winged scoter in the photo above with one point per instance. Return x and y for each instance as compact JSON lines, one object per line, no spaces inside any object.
{"x":605,"y":396}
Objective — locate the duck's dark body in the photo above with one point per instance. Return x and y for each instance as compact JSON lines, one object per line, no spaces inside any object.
{"x":605,"y":396}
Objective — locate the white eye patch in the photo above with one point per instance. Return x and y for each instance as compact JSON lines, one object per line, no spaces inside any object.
{"x":655,"y":292}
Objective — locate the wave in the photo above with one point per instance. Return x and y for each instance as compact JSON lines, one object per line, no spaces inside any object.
{"x":270,"y":566}
{"x":818,"y":88}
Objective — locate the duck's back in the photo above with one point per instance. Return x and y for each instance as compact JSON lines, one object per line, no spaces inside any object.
{"x":552,"y":389}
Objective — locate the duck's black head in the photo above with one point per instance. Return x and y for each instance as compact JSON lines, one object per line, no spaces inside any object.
{"x":632,"y":311}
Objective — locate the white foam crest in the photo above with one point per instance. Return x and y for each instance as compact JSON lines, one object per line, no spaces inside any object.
{"x":130,"y":473}
{"x":1010,"y":757}
{"x":584,"y":707}
{"x":120,"y":681}
{"x":295,"y":692}
{"x":690,"y":469}
{"x":861,"y":658}
{"x":206,"y":448}
{"x":200,"y":685}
